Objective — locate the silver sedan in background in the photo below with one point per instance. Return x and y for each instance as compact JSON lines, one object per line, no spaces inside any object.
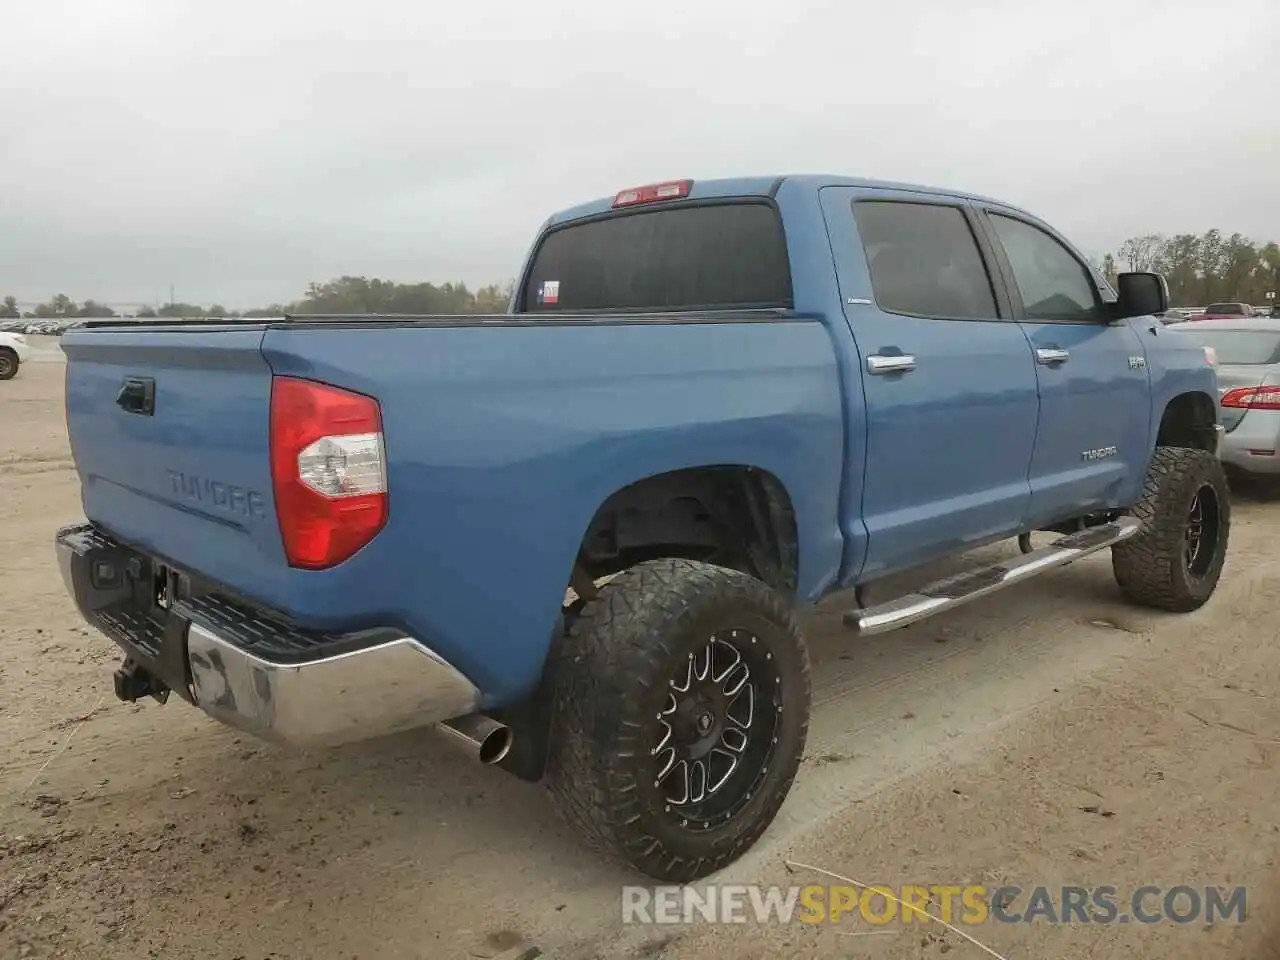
{"x":1249,"y":387}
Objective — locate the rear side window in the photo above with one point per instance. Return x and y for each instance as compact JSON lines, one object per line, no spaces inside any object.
{"x":1055,"y":286}
{"x":709,"y":257}
{"x":924,"y":260}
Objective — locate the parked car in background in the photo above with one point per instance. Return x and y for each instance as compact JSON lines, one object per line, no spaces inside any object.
{"x":14,"y":351}
{"x":49,"y":327}
{"x":1226,"y":311}
{"x":1249,"y":387}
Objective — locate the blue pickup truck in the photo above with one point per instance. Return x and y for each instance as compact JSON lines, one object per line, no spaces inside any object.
{"x":574,"y":536}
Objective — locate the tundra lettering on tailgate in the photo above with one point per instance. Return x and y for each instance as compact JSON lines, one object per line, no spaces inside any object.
{"x":223,"y":496}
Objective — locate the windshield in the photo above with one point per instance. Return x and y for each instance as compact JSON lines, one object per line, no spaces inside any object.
{"x":1244,"y":347}
{"x":708,"y":257}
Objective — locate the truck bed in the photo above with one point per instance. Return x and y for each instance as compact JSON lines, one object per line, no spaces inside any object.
{"x":503,"y":434}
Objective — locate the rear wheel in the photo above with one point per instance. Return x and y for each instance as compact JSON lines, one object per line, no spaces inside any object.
{"x":1176,"y":561}
{"x":681,"y":710}
{"x":8,"y":364}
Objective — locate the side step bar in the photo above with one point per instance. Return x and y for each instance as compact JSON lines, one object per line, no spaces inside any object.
{"x":952,"y":591}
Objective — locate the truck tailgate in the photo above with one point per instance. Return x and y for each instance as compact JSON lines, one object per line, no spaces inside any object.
{"x":170,"y":430}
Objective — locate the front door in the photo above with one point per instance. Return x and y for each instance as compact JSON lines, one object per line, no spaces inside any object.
{"x":948,"y":378}
{"x":1095,"y":395}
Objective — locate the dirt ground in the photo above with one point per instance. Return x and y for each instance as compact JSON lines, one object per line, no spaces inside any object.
{"x":1049,"y":735}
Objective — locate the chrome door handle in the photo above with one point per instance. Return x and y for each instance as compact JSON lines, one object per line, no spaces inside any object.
{"x":893,"y":363}
{"x":1051,"y":355}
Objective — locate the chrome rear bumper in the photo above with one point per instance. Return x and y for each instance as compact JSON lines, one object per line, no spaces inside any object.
{"x":396,"y":685}
{"x":253,"y":672}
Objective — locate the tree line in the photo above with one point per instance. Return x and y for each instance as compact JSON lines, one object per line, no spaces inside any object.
{"x":1203,"y":269}
{"x":1200,"y":270}
{"x":343,"y":295}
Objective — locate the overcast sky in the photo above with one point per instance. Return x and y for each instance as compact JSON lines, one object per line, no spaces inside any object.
{"x":240,"y":149}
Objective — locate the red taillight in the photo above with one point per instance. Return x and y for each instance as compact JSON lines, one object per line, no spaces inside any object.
{"x":1252,"y":398}
{"x":327,"y":469}
{"x":654,"y":192}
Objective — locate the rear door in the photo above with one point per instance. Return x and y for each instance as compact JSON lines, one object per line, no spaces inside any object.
{"x":948,"y":378}
{"x":1093,"y":438}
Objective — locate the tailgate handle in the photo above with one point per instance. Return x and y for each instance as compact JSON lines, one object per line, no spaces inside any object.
{"x":138,"y":395}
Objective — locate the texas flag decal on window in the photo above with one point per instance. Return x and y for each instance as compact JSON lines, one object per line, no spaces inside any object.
{"x":549,"y":292}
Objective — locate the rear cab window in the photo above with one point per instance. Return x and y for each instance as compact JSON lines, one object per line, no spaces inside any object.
{"x":704,"y":256}
{"x":1227,"y":309}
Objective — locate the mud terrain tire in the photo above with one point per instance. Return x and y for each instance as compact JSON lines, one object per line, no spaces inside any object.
{"x":1175,"y":562}
{"x":647,"y":679}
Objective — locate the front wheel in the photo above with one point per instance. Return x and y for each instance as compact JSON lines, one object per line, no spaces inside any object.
{"x":680,"y":716}
{"x":8,"y":364}
{"x":1175,"y":562}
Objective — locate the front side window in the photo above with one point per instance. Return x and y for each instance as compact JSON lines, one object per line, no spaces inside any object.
{"x":1055,"y":286}
{"x":924,"y":260}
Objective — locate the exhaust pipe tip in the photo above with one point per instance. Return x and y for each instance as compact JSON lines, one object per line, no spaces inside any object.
{"x":495,"y":747}
{"x":484,"y":738}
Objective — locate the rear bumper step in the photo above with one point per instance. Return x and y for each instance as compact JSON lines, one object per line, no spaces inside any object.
{"x":251,"y":671}
{"x":972,"y":584}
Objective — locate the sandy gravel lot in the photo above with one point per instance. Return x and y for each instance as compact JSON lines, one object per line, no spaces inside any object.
{"x":1050,"y":735}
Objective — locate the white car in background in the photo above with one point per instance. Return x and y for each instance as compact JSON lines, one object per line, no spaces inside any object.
{"x":14,"y":351}
{"x":1248,"y":354}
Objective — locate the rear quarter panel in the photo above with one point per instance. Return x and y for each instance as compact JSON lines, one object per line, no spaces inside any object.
{"x":503,"y":440}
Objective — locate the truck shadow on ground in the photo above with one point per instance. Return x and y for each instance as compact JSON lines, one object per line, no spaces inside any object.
{"x":416,"y":794}
{"x":407,"y":838}
{"x":1253,"y":489}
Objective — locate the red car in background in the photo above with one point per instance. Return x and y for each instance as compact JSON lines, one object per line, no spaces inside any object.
{"x":1225,"y":311}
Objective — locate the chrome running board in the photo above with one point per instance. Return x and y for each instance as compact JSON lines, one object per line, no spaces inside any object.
{"x":951,"y":592}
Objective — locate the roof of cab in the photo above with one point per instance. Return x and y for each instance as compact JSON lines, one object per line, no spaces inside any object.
{"x":767,"y":186}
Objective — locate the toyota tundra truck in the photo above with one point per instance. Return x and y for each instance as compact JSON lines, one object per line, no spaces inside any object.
{"x":574,"y":537}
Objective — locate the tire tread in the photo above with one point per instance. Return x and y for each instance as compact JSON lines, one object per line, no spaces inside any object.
{"x":1147,"y":566}
{"x":617,"y":642}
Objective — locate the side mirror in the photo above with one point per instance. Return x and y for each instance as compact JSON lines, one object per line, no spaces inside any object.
{"x":1141,"y":295}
